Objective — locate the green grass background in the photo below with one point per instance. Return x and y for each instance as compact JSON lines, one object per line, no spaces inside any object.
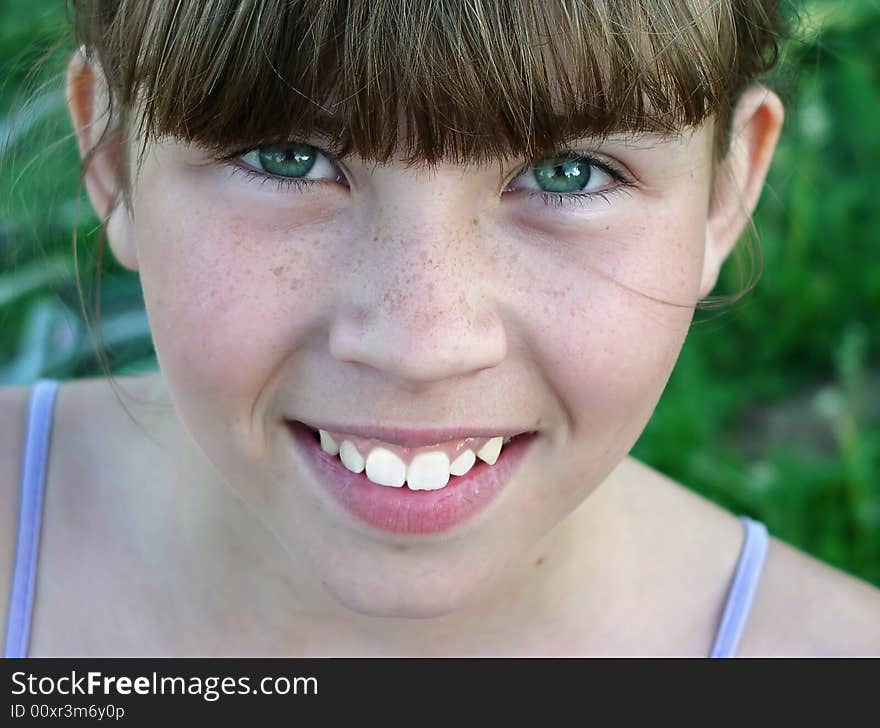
{"x":774,"y":407}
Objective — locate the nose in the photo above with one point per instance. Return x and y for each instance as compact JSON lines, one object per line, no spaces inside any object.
{"x":421,"y":309}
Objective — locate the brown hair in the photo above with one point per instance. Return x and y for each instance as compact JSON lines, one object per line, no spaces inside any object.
{"x":465,"y":80}
{"x":460,"y":80}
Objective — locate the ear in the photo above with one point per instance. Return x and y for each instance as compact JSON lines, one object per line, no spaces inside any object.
{"x":88,"y":103}
{"x":756,"y":123}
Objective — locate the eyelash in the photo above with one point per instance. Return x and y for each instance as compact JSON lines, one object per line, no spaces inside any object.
{"x":551,"y":199}
{"x":282,"y":183}
{"x":623,"y":185}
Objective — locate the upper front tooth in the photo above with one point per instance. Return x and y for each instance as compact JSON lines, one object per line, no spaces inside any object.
{"x":385,"y":468}
{"x":491,"y":450}
{"x":428,"y":471}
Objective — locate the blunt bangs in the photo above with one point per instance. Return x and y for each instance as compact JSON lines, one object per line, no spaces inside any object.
{"x":425,"y":80}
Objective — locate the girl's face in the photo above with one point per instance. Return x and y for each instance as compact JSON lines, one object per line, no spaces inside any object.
{"x":287,"y":285}
{"x":409,"y":297}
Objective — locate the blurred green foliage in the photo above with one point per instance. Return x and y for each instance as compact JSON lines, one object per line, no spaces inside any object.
{"x":774,"y":407}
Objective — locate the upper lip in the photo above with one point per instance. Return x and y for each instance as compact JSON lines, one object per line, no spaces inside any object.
{"x":416,"y":437}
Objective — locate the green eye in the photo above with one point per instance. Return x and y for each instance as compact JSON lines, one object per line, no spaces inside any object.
{"x":566,"y":174}
{"x":293,"y":160}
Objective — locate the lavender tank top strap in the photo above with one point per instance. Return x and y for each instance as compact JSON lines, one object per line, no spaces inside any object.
{"x":742,"y":590}
{"x":21,"y":601}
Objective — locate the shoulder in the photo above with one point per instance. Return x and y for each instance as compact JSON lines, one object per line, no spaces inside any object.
{"x":13,"y":425}
{"x":92,"y":454}
{"x":805,"y":607}
{"x":73,"y":453}
{"x":802,"y":606}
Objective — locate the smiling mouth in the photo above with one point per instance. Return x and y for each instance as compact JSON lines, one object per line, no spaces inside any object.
{"x":416,"y":469}
{"x":420,"y":508}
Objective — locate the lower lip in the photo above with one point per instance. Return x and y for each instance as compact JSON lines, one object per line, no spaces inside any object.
{"x":405,"y":511}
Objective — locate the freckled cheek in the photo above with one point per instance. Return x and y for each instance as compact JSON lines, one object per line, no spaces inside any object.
{"x":224,"y":304}
{"x":657,"y":253}
{"x":609,"y":351}
{"x":616,"y":362}
{"x":661,"y":255}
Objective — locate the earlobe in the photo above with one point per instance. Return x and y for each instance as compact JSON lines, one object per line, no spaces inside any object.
{"x":100,"y":146}
{"x":756,"y":124}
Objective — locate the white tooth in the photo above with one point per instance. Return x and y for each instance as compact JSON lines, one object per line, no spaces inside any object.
{"x":328,"y":444}
{"x":491,"y":450}
{"x":463,"y":463}
{"x":350,"y":457}
{"x":385,"y":468}
{"x":428,"y":471}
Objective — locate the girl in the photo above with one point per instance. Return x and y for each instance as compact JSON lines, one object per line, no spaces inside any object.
{"x":417,"y":273}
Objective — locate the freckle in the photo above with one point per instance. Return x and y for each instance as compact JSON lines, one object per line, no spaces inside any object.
{"x":539,"y":561}
{"x":278,"y":271}
{"x":475,"y":222}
